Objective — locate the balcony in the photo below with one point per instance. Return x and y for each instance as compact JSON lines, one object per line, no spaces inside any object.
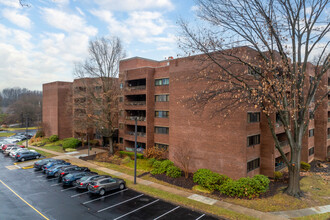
{"x":279,"y":166}
{"x":141,"y":134}
{"x":139,"y":118}
{"x":136,"y":103}
{"x":284,"y":143}
{"x":130,"y":88}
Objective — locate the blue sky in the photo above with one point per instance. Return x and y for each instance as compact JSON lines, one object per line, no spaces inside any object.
{"x":40,"y":44}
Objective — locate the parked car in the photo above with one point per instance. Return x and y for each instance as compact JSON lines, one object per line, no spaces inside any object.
{"x":86,"y":180}
{"x":53,"y":171}
{"x":71,"y":178}
{"x":37,"y":165}
{"x":64,"y":171}
{"x":52,"y":163}
{"x":28,"y":155}
{"x":10,"y":149}
{"x":103,"y":185}
{"x":10,"y":145}
{"x":13,"y":153}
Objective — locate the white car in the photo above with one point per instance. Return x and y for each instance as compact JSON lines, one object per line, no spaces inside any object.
{"x":10,"y":149}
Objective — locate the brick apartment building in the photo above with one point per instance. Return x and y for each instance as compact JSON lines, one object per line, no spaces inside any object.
{"x":239,"y":145}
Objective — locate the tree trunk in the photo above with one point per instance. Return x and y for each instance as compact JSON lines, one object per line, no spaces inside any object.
{"x":294,"y":176}
{"x":110,"y":146}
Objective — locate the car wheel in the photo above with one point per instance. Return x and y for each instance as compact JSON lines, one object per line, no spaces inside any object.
{"x":23,"y":159}
{"x":102,"y":192}
{"x":122,"y":186}
{"x":56,"y":174}
{"x":37,"y":157}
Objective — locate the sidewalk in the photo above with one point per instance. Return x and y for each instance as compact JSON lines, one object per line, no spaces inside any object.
{"x":203,"y":199}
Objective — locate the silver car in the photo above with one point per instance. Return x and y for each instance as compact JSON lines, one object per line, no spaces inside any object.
{"x":103,"y":185}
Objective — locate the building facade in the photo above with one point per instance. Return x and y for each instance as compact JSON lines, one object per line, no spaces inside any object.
{"x":238,"y":145}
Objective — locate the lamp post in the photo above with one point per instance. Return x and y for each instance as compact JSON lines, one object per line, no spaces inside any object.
{"x":26,"y":131}
{"x":135,"y":149}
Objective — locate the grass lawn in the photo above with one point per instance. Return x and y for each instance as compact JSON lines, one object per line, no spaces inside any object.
{"x":53,"y":148}
{"x":18,"y":129}
{"x":46,"y":154}
{"x":325,"y":216}
{"x":6,"y":134}
{"x":120,"y":168}
{"x":182,"y":201}
{"x":316,"y":189}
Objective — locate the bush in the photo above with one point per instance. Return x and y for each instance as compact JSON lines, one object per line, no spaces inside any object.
{"x":151,"y":161}
{"x":40,"y":134}
{"x":70,"y":149}
{"x":162,"y":167}
{"x":173,"y":171}
{"x":53,"y":138}
{"x":130,"y":154}
{"x":157,"y":153}
{"x":126,"y":159}
{"x":278,"y":175}
{"x":245,"y":187}
{"x":71,"y":143}
{"x":156,"y":164}
{"x":208,"y":179}
{"x":305,"y":166}
{"x":94,"y":142}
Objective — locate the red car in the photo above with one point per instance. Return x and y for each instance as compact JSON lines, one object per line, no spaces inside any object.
{"x":11,"y":145}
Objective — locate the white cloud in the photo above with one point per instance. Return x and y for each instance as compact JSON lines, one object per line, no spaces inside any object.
{"x":17,"y":19}
{"x":67,"y":22}
{"x":194,"y":8}
{"x":80,"y":11}
{"x":133,"y":5}
{"x":10,"y":3}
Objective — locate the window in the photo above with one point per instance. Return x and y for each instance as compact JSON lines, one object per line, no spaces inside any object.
{"x":121,"y":126}
{"x":254,"y":164}
{"x":253,"y":117}
{"x":161,"y":114}
{"x":121,"y":99}
{"x":162,"y":82}
{"x":311,"y":115}
{"x":121,"y":85}
{"x":162,"y":98}
{"x":121,"y":140}
{"x":161,"y":130}
{"x":253,"y":140}
{"x":121,"y":113}
{"x":311,"y":151}
{"x":161,"y":146}
{"x":311,"y":133}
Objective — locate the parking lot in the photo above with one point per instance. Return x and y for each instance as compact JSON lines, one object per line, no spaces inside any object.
{"x":28,"y":194}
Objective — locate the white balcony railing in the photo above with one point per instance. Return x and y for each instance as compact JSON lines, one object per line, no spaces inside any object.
{"x":139,"y":118}
{"x":136,"y":103}
{"x":141,"y":134}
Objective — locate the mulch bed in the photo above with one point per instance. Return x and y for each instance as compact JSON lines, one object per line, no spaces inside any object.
{"x":318,"y":166}
{"x":181,"y":181}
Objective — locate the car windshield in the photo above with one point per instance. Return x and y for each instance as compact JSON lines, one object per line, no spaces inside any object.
{"x":69,"y":176}
{"x":48,"y":164}
{"x":84,"y":178}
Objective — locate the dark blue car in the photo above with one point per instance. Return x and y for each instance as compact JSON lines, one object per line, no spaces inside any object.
{"x":52,"y":163}
{"x":27,"y":155}
{"x":38,"y":165}
{"x":53,"y":171}
{"x":72,"y":177}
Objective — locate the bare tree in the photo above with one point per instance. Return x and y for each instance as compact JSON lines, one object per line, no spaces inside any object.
{"x":280,"y":36}
{"x":99,"y":76}
{"x":183,"y":156}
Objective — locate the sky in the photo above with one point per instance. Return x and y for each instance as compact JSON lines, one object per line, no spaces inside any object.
{"x":41,"y":43}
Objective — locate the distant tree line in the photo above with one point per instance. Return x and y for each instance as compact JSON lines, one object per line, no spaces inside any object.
{"x":20,"y":105}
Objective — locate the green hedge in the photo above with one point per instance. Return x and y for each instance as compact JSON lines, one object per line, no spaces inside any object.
{"x":161,"y":167}
{"x":278,"y":175}
{"x":130,"y":154}
{"x":70,"y":143}
{"x":208,"y":179}
{"x":173,"y":171}
{"x":245,"y":187}
{"x":305,"y":166}
{"x":53,"y":138}
{"x":40,"y":134}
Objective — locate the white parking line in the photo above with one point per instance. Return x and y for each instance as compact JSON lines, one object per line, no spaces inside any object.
{"x":167,"y":212}
{"x":137,"y":209}
{"x":200,"y":217}
{"x":68,"y":188}
{"x":80,"y":194}
{"x":56,"y":184}
{"x":40,"y":176}
{"x":104,"y":197}
{"x":120,"y":203}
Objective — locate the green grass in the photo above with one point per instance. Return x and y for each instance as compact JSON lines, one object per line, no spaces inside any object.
{"x":316,"y":191}
{"x":53,"y":148}
{"x":324,"y":216}
{"x":6,"y":134}
{"x":182,"y":201}
{"x":19,"y":129}
{"x":120,"y":168}
{"x":46,"y":154}
{"x":142,"y":165}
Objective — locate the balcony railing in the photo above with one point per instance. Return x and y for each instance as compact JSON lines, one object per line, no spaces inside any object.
{"x":284,"y":143}
{"x":139,"y":149}
{"x":279,"y":166}
{"x":129,"y":88}
{"x":136,"y":103}
{"x":139,"y":118}
{"x":141,"y":134}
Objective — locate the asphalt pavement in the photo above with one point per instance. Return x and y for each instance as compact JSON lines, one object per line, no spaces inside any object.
{"x":27,"y":194}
